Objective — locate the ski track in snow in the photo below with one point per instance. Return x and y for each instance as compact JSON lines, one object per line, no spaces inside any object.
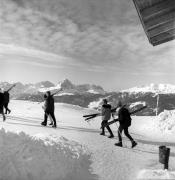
{"x":108,"y":162}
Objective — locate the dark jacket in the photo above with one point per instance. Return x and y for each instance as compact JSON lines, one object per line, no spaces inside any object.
{"x":124,"y":117}
{"x":49,"y":104}
{"x":6,"y":97}
{"x":106,"y":112}
{"x":1,"y":100}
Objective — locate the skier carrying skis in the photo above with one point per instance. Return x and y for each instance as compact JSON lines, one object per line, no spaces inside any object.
{"x":44,"y":108}
{"x":49,"y":109}
{"x":124,"y":119}
{"x":2,"y":104}
{"x":7,"y":99}
{"x":106,"y":115}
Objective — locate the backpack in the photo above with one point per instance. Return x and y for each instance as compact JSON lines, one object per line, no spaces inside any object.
{"x":124,"y":117}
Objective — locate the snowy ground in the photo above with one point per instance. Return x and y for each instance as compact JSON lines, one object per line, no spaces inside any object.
{"x":75,"y":149}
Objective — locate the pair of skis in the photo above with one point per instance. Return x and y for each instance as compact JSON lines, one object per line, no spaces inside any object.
{"x":115,"y":120}
{"x":91,"y":116}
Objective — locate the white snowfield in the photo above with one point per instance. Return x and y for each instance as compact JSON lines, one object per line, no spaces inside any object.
{"x":154,"y":88}
{"x":75,"y":150}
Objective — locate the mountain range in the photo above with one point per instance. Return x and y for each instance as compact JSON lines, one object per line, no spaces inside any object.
{"x":153,"y":88}
{"x":91,"y":96}
{"x":68,"y":88}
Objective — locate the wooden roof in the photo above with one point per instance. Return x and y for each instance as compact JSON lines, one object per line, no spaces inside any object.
{"x":158,"y":19}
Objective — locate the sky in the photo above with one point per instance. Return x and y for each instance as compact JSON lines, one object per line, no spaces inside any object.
{"x":86,"y":41}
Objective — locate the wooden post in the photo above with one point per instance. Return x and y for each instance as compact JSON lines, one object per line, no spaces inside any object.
{"x":157,"y":104}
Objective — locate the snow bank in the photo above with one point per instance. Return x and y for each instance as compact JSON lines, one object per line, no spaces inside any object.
{"x":166,"y":121}
{"x":156,"y":174}
{"x":41,"y":158}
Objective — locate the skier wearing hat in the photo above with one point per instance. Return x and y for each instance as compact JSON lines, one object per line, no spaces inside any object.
{"x":124,"y":119}
{"x":106,"y":115}
{"x":2,"y":104}
{"x":49,"y":109}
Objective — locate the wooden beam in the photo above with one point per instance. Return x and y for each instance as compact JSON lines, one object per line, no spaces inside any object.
{"x":147,"y":3}
{"x":163,"y":41}
{"x":157,"y":21}
{"x":161,"y":29}
{"x":141,"y":19}
{"x":163,"y":37}
{"x":158,"y":9}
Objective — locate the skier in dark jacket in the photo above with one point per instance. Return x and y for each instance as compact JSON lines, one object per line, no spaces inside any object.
{"x":44,"y":108}
{"x":49,"y":109}
{"x":124,"y":119}
{"x":7,"y":99}
{"x":2,"y":104}
{"x":106,"y":115}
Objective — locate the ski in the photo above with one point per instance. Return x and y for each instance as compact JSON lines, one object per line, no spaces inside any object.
{"x":97,"y":114}
{"x":91,"y":116}
{"x":133,"y":112}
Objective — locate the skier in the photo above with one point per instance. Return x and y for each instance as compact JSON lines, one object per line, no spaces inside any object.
{"x":49,"y":109}
{"x":2,"y":104}
{"x":124,"y":119}
{"x":6,"y":99}
{"x":44,"y":107}
{"x":106,"y":115}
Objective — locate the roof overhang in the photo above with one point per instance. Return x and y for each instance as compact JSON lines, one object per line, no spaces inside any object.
{"x":158,"y":19}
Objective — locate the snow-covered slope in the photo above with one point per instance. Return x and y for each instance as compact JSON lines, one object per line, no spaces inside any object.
{"x":154,"y":88}
{"x":23,"y":156}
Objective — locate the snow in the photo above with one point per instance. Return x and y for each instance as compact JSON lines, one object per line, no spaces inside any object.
{"x":166,"y":121}
{"x":43,"y":90}
{"x":63,"y":94}
{"x":154,"y":88}
{"x":95,"y":104}
{"x":24,"y":157}
{"x":156,"y":174}
{"x":137,"y":103}
{"x":38,"y":152}
{"x":93,"y":91}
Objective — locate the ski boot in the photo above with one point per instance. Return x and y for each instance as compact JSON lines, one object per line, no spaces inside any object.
{"x":134,"y":144}
{"x":111,"y":136}
{"x":54,"y":126}
{"x":119,"y":144}
{"x":43,"y":124}
{"x":102,"y":133}
{"x":51,"y":124}
{"x":4,"y":118}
